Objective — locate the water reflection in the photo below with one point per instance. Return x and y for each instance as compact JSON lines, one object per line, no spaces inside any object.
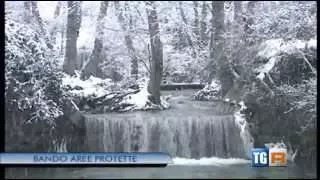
{"x":174,"y":171}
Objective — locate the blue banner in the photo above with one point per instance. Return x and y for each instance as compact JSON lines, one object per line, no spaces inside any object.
{"x":126,"y":158}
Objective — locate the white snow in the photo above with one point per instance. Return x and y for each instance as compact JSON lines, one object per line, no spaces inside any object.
{"x":266,"y":67}
{"x":91,"y":87}
{"x":208,"y":161}
{"x":98,"y":87}
{"x":274,"y":47}
{"x":312,"y":43}
{"x":270,"y":49}
{"x":243,"y":106}
{"x":210,"y":91}
{"x":215,"y":85}
{"x":140,"y":99}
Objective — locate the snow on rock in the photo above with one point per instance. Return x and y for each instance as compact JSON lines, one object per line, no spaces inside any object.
{"x":209,"y":92}
{"x":140,"y":100}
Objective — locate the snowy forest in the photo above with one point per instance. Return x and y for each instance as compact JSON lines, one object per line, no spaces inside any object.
{"x":66,"y":58}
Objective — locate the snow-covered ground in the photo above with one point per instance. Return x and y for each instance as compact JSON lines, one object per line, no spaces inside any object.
{"x":91,"y":87}
{"x":97,"y":87}
{"x":140,"y":100}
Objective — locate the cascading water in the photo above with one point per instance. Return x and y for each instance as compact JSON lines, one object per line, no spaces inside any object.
{"x":190,"y":130}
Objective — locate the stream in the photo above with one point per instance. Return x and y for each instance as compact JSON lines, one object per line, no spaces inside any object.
{"x":202,"y":137}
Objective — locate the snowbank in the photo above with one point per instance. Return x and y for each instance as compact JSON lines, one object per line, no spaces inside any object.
{"x":93,"y":86}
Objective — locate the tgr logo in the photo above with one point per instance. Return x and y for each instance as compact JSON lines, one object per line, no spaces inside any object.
{"x":265,"y":157}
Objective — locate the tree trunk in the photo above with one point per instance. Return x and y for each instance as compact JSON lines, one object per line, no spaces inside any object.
{"x":218,"y":45}
{"x":73,"y":26}
{"x":196,"y":20}
{"x":128,"y":39}
{"x":237,"y":33}
{"x":62,"y":41}
{"x":248,"y":29}
{"x":36,"y":15}
{"x":54,"y":29}
{"x":237,"y":21}
{"x":27,"y":12}
{"x":156,"y":54}
{"x":58,"y":9}
{"x":184,"y":19}
{"x":93,"y":66}
{"x":203,"y":25}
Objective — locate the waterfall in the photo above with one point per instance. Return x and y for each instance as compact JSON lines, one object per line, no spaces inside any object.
{"x":196,"y":136}
{"x":60,"y":147}
{"x":242,"y":124}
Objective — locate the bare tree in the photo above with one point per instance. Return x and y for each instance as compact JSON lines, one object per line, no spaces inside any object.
{"x":128,"y":39}
{"x":184,"y":19}
{"x":218,"y":46}
{"x":203,"y":24}
{"x":156,"y":53}
{"x":63,"y":29}
{"x":92,"y":67}
{"x":56,"y":14}
{"x":32,"y":12}
{"x":249,"y":21}
{"x":196,"y":27}
{"x":73,"y":26}
{"x":237,"y":20}
{"x":36,"y":15}
{"x":27,"y":12}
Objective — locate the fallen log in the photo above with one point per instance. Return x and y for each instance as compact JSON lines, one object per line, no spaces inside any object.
{"x":181,"y":86}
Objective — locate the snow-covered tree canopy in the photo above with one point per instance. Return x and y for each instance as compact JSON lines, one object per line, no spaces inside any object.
{"x":32,"y":71}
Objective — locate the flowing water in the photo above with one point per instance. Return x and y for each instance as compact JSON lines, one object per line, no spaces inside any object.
{"x":192,"y":131}
{"x":203,"y":138}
